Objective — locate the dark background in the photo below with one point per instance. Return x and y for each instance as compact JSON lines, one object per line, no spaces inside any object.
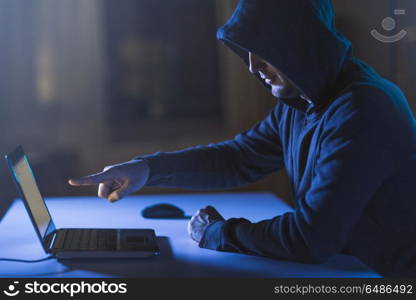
{"x":85,"y":84}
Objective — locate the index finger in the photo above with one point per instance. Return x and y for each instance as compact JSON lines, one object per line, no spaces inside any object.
{"x":93,"y":179}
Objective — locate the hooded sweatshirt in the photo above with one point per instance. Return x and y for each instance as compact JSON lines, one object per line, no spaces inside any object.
{"x":350,"y":154}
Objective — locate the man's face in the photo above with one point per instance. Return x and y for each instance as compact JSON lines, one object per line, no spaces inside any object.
{"x":281,"y":86}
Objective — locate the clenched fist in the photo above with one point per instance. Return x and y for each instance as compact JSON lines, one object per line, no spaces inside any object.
{"x":201,"y":220}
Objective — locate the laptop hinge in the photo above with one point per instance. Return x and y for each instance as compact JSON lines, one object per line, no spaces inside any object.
{"x":50,"y":239}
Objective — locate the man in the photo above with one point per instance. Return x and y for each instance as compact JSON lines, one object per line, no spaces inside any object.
{"x":345,"y":135}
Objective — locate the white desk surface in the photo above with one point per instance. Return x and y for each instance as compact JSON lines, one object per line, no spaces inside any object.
{"x":179,"y":257}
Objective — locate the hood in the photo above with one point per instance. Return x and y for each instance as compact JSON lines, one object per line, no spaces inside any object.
{"x":298,"y":37}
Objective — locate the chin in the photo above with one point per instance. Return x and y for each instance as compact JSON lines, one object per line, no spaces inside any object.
{"x":283,"y":92}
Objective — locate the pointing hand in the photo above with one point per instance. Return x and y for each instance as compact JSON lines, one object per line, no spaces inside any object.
{"x":117,"y":181}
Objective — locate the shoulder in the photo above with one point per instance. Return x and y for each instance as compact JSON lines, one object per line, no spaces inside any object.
{"x":378,"y":107}
{"x":377,"y":100}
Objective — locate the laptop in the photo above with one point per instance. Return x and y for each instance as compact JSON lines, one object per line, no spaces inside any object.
{"x":68,"y":243}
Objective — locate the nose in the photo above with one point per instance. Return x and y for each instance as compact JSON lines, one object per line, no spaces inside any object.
{"x":255,"y":63}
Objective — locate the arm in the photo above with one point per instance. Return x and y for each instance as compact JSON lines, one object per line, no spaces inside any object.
{"x":246,"y":158}
{"x":356,"y":157}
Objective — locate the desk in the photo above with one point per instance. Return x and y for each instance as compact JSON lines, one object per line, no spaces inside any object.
{"x":180,"y":256}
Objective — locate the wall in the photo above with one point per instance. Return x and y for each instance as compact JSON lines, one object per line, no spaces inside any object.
{"x":54,"y":89}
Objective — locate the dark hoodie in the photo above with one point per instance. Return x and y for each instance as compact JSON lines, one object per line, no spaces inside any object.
{"x":350,"y":155}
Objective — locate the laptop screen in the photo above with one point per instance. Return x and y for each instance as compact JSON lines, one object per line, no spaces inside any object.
{"x":26,"y":180}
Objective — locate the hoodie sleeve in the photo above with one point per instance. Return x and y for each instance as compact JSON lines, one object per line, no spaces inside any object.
{"x":247,"y":158}
{"x":355,"y":158}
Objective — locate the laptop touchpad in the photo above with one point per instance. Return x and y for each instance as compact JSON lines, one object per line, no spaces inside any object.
{"x":133,"y":240}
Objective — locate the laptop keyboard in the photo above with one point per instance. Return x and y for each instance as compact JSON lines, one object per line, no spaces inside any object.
{"x":86,"y":239}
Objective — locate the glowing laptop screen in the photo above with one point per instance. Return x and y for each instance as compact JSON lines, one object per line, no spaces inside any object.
{"x":34,"y":199}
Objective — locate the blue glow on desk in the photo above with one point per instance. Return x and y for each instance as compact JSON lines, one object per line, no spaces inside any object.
{"x":180,"y":256}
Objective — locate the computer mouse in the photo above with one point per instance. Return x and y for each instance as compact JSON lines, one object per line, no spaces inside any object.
{"x":163,"y":211}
